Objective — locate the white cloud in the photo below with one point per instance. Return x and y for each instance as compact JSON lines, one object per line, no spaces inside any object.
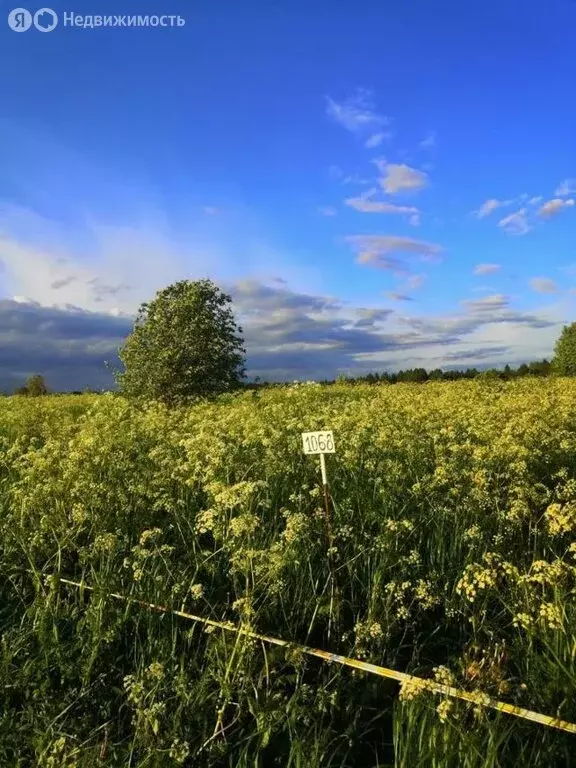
{"x":107,"y":268}
{"x":289,"y":335}
{"x":543,"y":285}
{"x":486,"y":269}
{"x":327,"y":210}
{"x":415,"y":282}
{"x":365,"y":205}
{"x":379,"y":250}
{"x":493,"y":204}
{"x":535,"y":200}
{"x":398,"y":296}
{"x":567,"y":187}
{"x":553,"y":207}
{"x":429,"y":141}
{"x":376,"y":139}
{"x":357,"y":113}
{"x":496,"y":301}
{"x":401,"y":178}
{"x":488,"y":207}
{"x":355,"y":178}
{"x":414,"y":220}
{"x":515,"y":223}
{"x":209,"y":210}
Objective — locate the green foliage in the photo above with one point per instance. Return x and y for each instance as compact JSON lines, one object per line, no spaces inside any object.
{"x":34,"y":387}
{"x":185,"y":344}
{"x":453,"y":524}
{"x":564,"y":360}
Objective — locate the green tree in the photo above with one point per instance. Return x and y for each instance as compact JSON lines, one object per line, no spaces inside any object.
{"x":564,"y":360}
{"x":35,"y":387}
{"x":184,"y":344}
{"x":490,"y":374}
{"x":539,"y":368}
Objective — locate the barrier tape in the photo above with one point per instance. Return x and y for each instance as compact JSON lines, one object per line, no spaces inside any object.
{"x":420,"y":683}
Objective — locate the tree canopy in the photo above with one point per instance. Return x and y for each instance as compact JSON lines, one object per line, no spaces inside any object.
{"x":35,"y":387}
{"x":185,"y":344}
{"x":564,"y":360}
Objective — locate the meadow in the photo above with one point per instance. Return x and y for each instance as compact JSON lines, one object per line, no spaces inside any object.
{"x":452,"y":556}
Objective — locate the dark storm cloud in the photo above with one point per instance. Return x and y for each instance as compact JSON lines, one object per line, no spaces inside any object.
{"x":250,"y":294}
{"x":288,"y":335}
{"x":67,"y":346}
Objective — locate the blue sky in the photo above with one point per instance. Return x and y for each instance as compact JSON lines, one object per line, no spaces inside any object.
{"x":378,"y":185}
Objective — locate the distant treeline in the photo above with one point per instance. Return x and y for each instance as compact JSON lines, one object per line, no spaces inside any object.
{"x":36,"y":386}
{"x":421,"y":375}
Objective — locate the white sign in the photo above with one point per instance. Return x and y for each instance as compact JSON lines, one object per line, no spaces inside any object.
{"x":318,"y":442}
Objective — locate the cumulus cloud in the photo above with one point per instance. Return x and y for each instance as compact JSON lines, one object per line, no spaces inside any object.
{"x":515,"y":223}
{"x":378,"y":250}
{"x":567,"y":187}
{"x":288,"y":334}
{"x":376,"y":139}
{"x":68,"y":346}
{"x":543,"y":285}
{"x":492,"y":303}
{"x":553,"y":207}
{"x":493,"y":204}
{"x":486,"y":269}
{"x":401,"y":178}
{"x":304,"y":336}
{"x":489,"y":207}
{"x":356,"y":113}
{"x":365,"y":204}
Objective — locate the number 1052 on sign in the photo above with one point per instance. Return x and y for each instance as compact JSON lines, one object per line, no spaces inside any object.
{"x":318,"y":442}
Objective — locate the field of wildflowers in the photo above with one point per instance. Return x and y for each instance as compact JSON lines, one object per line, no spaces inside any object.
{"x":453,"y":557}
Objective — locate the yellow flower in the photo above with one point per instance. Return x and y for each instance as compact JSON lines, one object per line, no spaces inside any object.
{"x":444,"y":708}
{"x":411,"y":689}
{"x":196,"y":591}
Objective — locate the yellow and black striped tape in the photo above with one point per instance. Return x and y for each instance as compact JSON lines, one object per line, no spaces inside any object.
{"x":374,"y":669}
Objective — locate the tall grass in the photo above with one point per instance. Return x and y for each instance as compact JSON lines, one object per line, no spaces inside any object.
{"x":454,"y":556}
